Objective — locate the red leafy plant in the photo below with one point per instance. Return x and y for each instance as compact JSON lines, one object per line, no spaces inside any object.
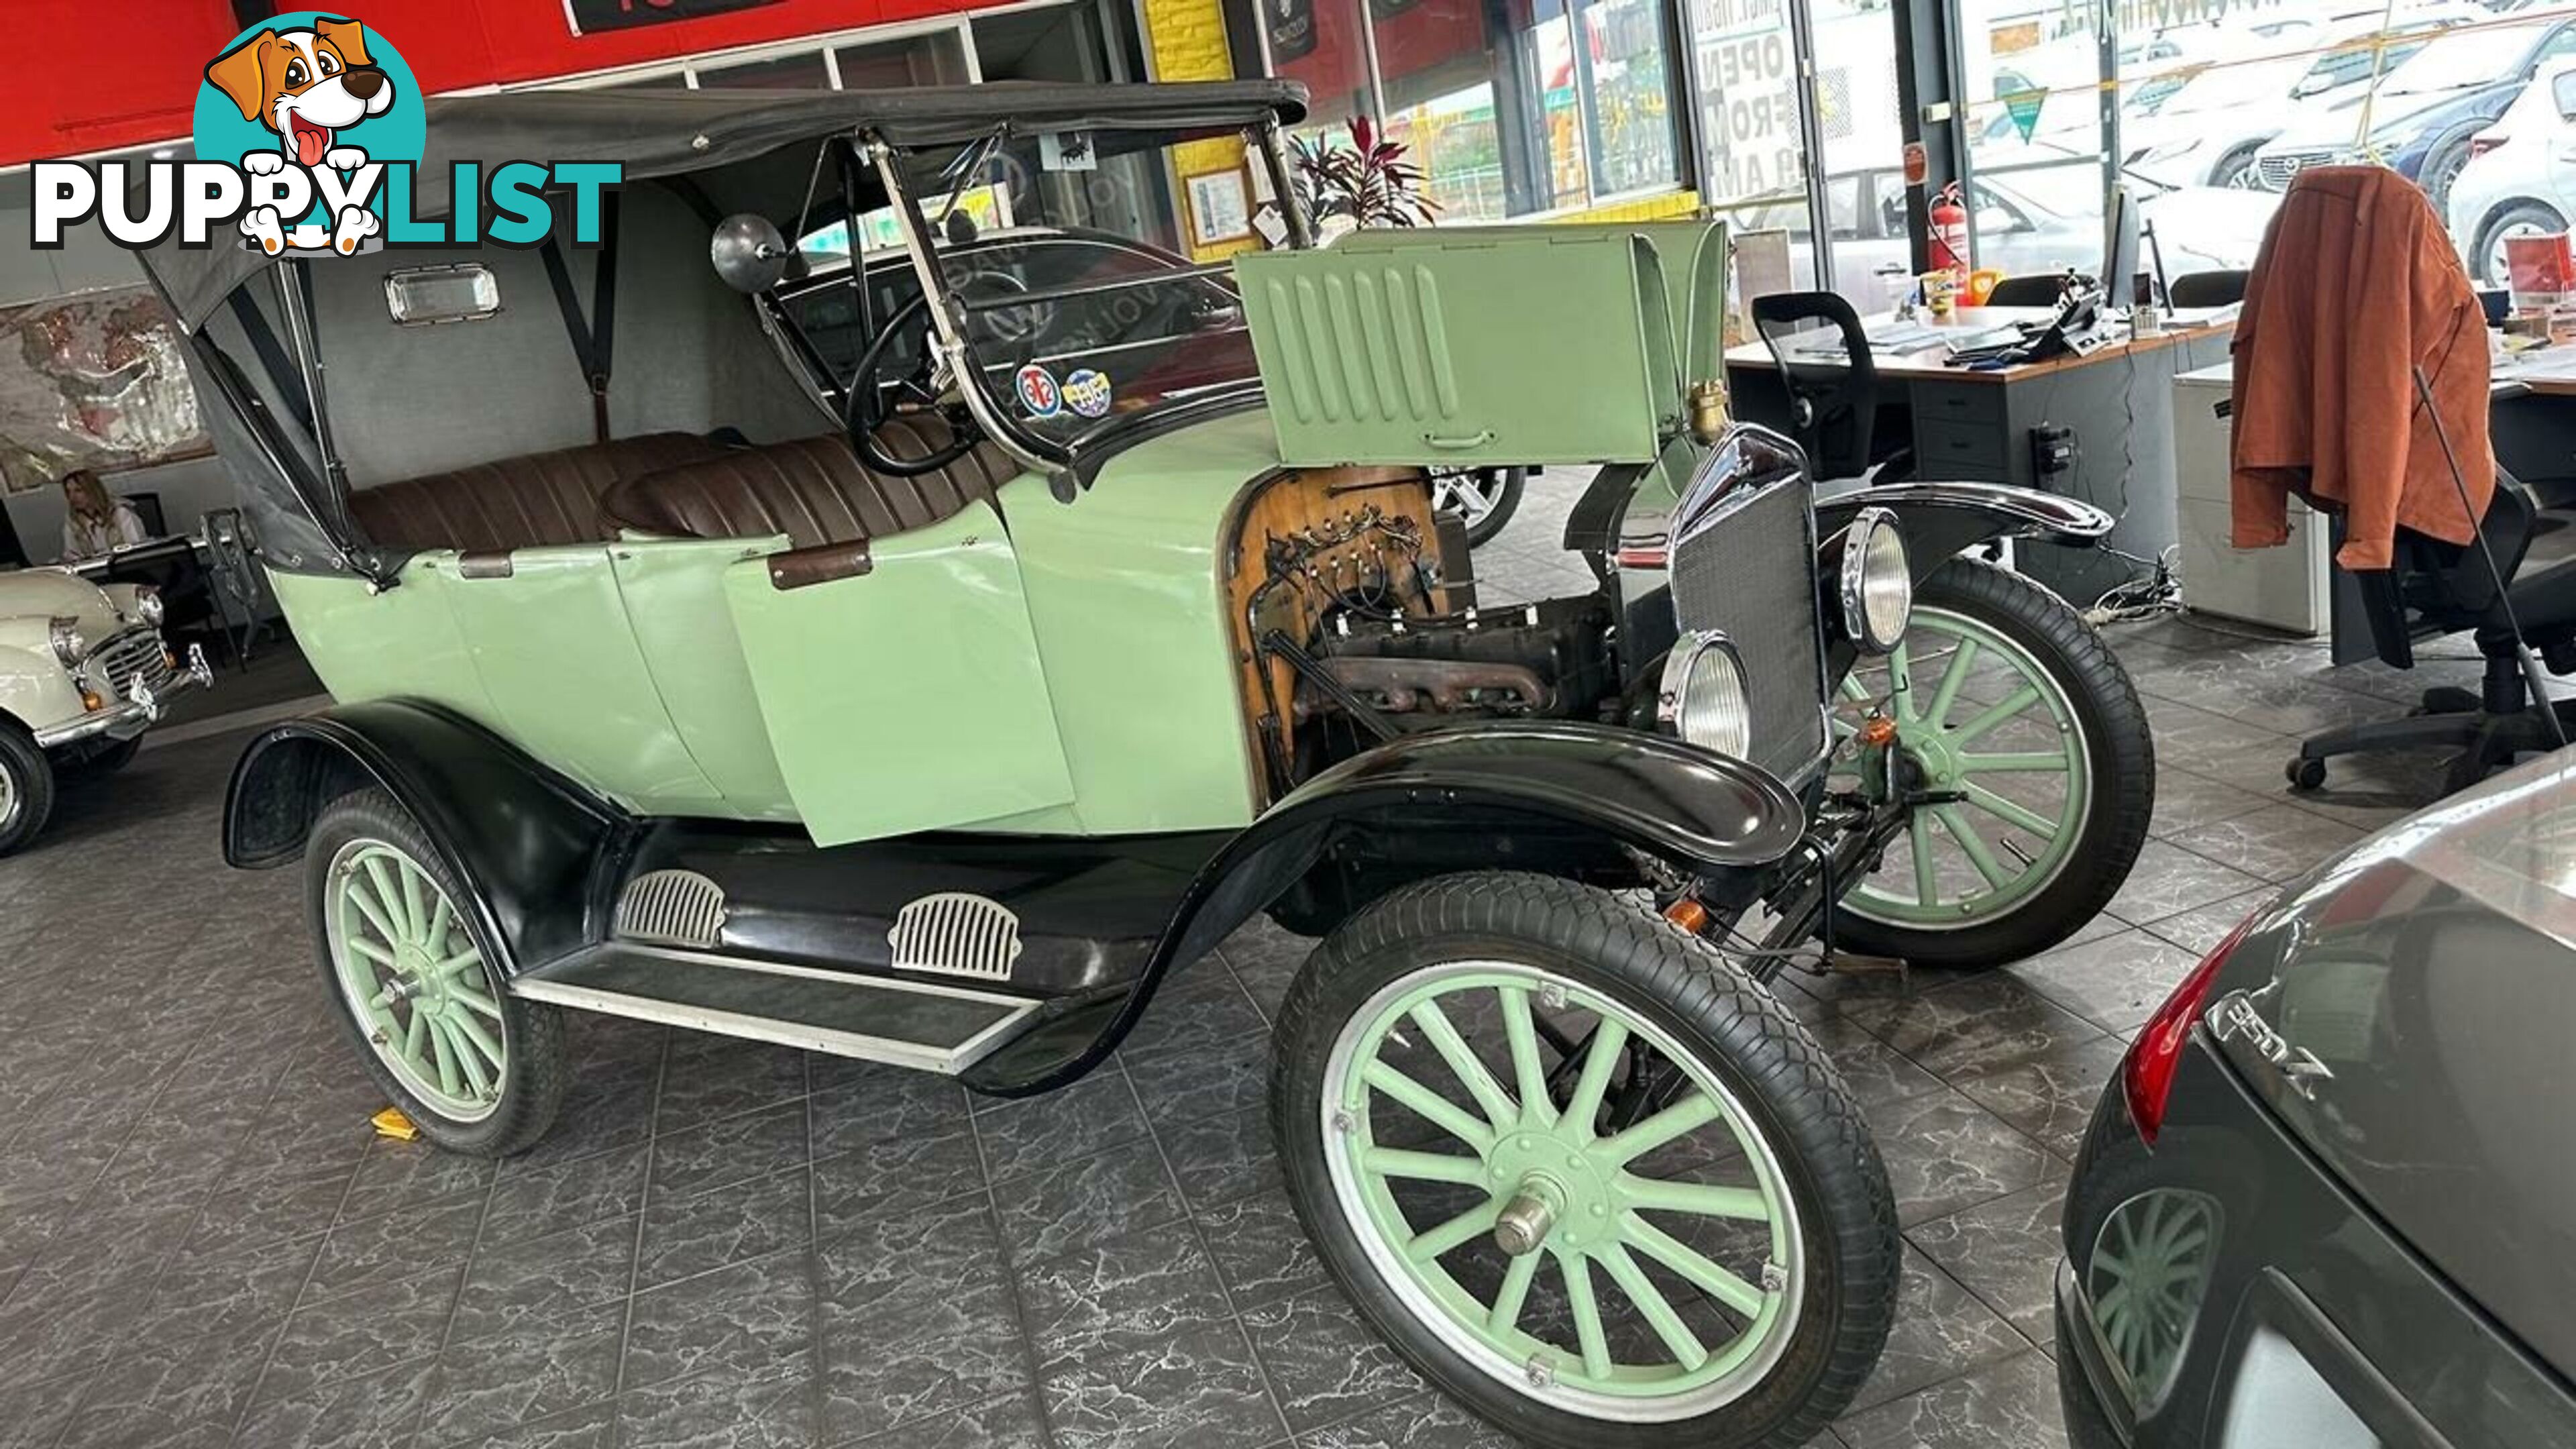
{"x":1368,"y":181}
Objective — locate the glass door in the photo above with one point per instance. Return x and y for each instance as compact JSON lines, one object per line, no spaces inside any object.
{"x":2032,"y":89}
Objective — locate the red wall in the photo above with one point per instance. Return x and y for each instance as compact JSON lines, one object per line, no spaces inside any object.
{"x":82,"y":75}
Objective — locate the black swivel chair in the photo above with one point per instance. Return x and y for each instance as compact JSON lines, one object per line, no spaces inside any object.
{"x":147,"y":507}
{"x":1833,"y":399}
{"x":2441,"y":588}
{"x":2208,"y":289}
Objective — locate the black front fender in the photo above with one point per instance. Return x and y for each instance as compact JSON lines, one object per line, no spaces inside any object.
{"x":1941,"y":520}
{"x":526,"y":843}
{"x":1701,"y":812}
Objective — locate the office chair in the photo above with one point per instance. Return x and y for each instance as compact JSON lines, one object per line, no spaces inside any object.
{"x":2035,"y":289}
{"x":2442,"y":588}
{"x":147,"y":507}
{"x":1833,"y":401}
{"x":2207,"y":289}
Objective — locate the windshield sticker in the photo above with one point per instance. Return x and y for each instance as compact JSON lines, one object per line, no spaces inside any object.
{"x":1067,"y":151}
{"x":1038,"y":392}
{"x":1087,"y":391}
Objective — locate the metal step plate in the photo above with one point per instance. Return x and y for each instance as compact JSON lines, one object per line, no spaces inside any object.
{"x":927,"y":1027}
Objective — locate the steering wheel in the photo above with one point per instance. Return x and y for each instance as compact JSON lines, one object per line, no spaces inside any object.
{"x":860,"y":413}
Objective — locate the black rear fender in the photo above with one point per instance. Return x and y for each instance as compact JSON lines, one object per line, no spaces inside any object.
{"x":1943,"y":520}
{"x":1554,"y":782}
{"x":531,"y":847}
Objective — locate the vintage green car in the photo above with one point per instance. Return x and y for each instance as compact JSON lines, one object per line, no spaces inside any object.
{"x":952,"y":615}
{"x":83,"y":673}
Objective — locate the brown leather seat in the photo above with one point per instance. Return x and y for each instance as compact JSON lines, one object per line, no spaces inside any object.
{"x":518,"y":502}
{"x":814,"y":490}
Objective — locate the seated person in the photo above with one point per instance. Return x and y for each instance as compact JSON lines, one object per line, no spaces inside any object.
{"x":94,"y":520}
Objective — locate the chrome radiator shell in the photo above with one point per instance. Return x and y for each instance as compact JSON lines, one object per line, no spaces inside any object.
{"x":1742,"y":561}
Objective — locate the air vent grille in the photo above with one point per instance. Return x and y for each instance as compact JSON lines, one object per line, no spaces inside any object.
{"x":956,"y":934}
{"x":671,"y":908}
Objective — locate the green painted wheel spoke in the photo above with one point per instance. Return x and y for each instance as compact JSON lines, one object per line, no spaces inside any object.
{"x":1739,"y":1204}
{"x":456,"y":964}
{"x":1971,"y":844}
{"x":1927,"y":878}
{"x":1854,"y":690}
{"x":1657,"y":1310}
{"x":1439,"y":1110}
{"x":2001,"y":710}
{"x":369,"y":951}
{"x":415,"y":914}
{"x":416,"y":1040}
{"x":1506,"y":1313}
{"x":1900,"y":683}
{"x":1609,"y":1038}
{"x":2011,"y":811}
{"x":1938,"y":711}
{"x":1423,"y":1166}
{"x":448,"y":1081}
{"x":388,"y":901}
{"x":469,"y":1059}
{"x":374,"y":913}
{"x":441,"y":916}
{"x":1695,"y":1268}
{"x":1528,"y":1068}
{"x":1681,"y":1118}
{"x":1499,"y":1107}
{"x":2019,"y":762}
{"x":1588,"y":1332}
{"x":1429,"y":1245}
{"x":472,"y":1031}
{"x":475,"y":1001}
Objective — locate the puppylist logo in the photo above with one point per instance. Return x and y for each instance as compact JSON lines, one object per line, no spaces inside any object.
{"x":309,"y":134}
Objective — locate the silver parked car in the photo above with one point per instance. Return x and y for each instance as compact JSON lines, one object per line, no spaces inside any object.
{"x":2330,"y":1200}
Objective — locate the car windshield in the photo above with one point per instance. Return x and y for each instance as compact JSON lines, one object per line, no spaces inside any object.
{"x":1073,"y":268}
{"x":2473,"y":58}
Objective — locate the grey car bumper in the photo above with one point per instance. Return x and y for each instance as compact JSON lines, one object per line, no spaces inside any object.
{"x":136,"y":714}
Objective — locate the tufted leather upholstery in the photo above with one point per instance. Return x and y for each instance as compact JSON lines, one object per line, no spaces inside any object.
{"x":518,"y":502}
{"x":814,"y":490}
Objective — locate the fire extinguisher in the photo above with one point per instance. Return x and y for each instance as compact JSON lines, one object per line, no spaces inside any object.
{"x":1950,"y":233}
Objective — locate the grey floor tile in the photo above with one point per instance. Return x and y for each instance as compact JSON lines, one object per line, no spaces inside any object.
{"x":892,"y":1364}
{"x":2168,"y":878}
{"x":1323,"y":1364}
{"x":686,"y":1236}
{"x":533,"y":1370}
{"x":1013,"y":1421}
{"x":1429,"y":1421}
{"x":708,"y":1078}
{"x":1941,"y":1331}
{"x":1260,"y":1248}
{"x":1988,"y":1020}
{"x":378,"y":1411}
{"x":513,"y":1279}
{"x":719,"y":1154}
{"x":409,"y":1241}
{"x":396,"y":1175}
{"x":1124,"y":1295}
{"x":1207,"y":1081}
{"x":2049,"y":1097}
{"x":886,"y":1261}
{"x":2275,"y":843}
{"x":592,"y":1427}
{"x":767,"y":1407}
{"x":1218,"y":1159}
{"x":733,"y":1320}
{"x":1200,"y":1391}
{"x":1205,"y":1006}
{"x":2199,"y":931}
{"x":2005,"y":1251}
{"x":897,"y":1175}
{"x":1039,"y":1134}
{"x":532,"y":1198}
{"x":1944,"y":1153}
{"x":2010,"y":1405}
{"x":1082,"y":1204}
{"x":360,"y":1333}
{"x":2116,"y":983}
{"x":158,"y":1396}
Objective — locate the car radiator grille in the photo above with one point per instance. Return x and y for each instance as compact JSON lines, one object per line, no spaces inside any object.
{"x":2280,"y":168}
{"x":1748,"y":570}
{"x":133,"y":657}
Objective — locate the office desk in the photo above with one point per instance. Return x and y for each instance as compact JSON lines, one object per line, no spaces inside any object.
{"x":1976,"y":427}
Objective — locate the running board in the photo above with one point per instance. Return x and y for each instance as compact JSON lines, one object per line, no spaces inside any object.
{"x":931,"y":1028}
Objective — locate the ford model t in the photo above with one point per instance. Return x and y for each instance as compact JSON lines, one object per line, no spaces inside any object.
{"x":947,"y":611}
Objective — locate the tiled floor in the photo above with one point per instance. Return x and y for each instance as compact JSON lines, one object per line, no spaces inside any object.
{"x":202,"y":1244}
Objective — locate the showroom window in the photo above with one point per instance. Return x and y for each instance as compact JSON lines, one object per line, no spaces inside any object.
{"x":1512,"y":108}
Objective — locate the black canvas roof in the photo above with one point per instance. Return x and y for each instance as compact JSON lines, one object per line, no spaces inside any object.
{"x":667,"y":133}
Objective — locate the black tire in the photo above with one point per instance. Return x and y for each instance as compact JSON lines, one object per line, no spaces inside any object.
{"x":108,"y":760}
{"x":2236,"y":168}
{"x":538,"y":1070}
{"x":1734,"y":1030}
{"x":2540,"y":216}
{"x":2120,"y":752}
{"x":2441,"y":168}
{"x":26,"y":787}
{"x":1503,"y":486}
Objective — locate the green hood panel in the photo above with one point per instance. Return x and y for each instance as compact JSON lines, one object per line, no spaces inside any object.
{"x":1484,"y":345}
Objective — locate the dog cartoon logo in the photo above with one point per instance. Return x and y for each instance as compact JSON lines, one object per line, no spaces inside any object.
{"x":322,"y":93}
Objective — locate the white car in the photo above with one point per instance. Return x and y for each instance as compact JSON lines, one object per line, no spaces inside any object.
{"x":83,"y":673}
{"x":2521,"y":177}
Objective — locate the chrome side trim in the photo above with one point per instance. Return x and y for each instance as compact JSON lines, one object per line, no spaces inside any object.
{"x":2054,"y":512}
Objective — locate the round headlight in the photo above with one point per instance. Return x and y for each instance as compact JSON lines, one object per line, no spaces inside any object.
{"x":147,"y":605}
{"x":1877,"y":582}
{"x":65,"y":635}
{"x":1704,"y":699}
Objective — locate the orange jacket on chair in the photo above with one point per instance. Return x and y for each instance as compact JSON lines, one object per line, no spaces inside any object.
{"x":2356,"y":286}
